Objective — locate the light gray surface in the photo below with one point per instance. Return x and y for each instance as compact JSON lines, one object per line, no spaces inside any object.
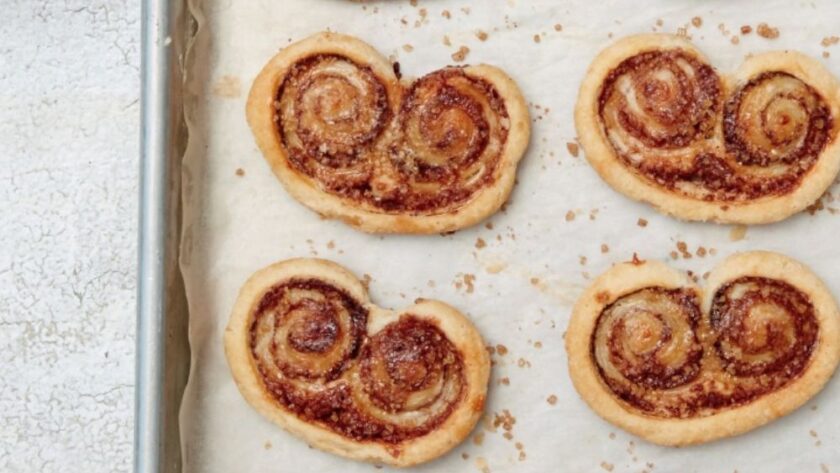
{"x":68,"y":201}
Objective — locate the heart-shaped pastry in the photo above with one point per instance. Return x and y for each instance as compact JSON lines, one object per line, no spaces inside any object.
{"x":675,"y":364}
{"x":349,"y":140}
{"x":660,"y":125}
{"x":309,"y":351}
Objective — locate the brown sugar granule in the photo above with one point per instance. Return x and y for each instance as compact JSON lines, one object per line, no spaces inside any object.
{"x":446,"y":41}
{"x":413,"y":3}
{"x":605,"y":248}
{"x":701,"y":251}
{"x":583,"y":260}
{"x":552,"y":399}
{"x":766,"y":31}
{"x":481,"y":464}
{"x":505,"y":420}
{"x":535,"y":281}
{"x":697,"y":22}
{"x":826,"y":54}
{"x":267,"y":445}
{"x":505,"y":381}
{"x":607,"y":466}
{"x":408,"y":48}
{"x":674,"y":255}
{"x":538,"y":345}
{"x":824,"y":468}
{"x":480,"y":243}
{"x":660,"y":22}
{"x":481,"y":35}
{"x":501,"y":350}
{"x":331,"y":244}
{"x":460,"y":54}
{"x":465,"y":455}
{"x":612,"y":435}
{"x":735,"y":40}
{"x":446,"y":14}
{"x":488,"y":225}
{"x":570,"y":215}
{"x":830,"y":41}
{"x":642,"y":222}
{"x":737,"y":233}
{"x":558,"y":27}
{"x":537,"y":38}
{"x":240,"y":172}
{"x":746,"y":29}
{"x":519,"y":445}
{"x":469,"y":280}
{"x":683,"y":249}
{"x":507,"y":436}
{"x":523,"y":363}
{"x":479,"y":438}
{"x":521,"y":455}
{"x":573,"y":148}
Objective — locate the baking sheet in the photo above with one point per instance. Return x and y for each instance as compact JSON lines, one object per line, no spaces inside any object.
{"x":562,"y":227}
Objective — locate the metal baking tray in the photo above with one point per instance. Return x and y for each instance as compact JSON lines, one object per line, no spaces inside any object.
{"x":162,"y":351}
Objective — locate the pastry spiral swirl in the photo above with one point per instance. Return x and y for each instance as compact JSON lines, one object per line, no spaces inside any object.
{"x":659,"y":124}
{"x":661,"y":358}
{"x":302,"y":349}
{"x":763,"y":328}
{"x":648,"y":338}
{"x":348,"y":139}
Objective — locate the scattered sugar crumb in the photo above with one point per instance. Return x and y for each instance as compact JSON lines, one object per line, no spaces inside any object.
{"x":537,"y":38}
{"x":766,"y":31}
{"x":552,"y":399}
{"x":240,"y":172}
{"x":697,"y":22}
{"x":481,"y":35}
{"x":570,"y":215}
{"x":460,"y":54}
{"x":746,"y":29}
{"x":573,"y":148}
{"x":642,"y":222}
{"x":408,"y":48}
{"x":605,"y":248}
{"x":607,"y":466}
{"x":480,"y":243}
{"x":737,"y":233}
{"x":558,"y":27}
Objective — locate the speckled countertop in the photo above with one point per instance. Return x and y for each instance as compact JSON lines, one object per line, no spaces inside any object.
{"x":69,"y":112}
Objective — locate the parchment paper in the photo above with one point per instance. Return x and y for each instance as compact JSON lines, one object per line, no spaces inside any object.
{"x":562,"y":227}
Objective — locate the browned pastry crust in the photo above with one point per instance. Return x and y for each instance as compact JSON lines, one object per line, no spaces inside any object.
{"x":660,"y":125}
{"x":349,"y":140}
{"x":660,"y":357}
{"x":310,"y":352}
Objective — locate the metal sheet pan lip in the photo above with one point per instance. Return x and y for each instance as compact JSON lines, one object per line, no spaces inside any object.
{"x":156,"y":64}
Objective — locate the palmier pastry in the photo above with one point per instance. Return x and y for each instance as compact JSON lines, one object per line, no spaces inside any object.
{"x":660,"y":125}
{"x":309,"y":351}
{"x":675,"y":364}
{"x":349,"y":140}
